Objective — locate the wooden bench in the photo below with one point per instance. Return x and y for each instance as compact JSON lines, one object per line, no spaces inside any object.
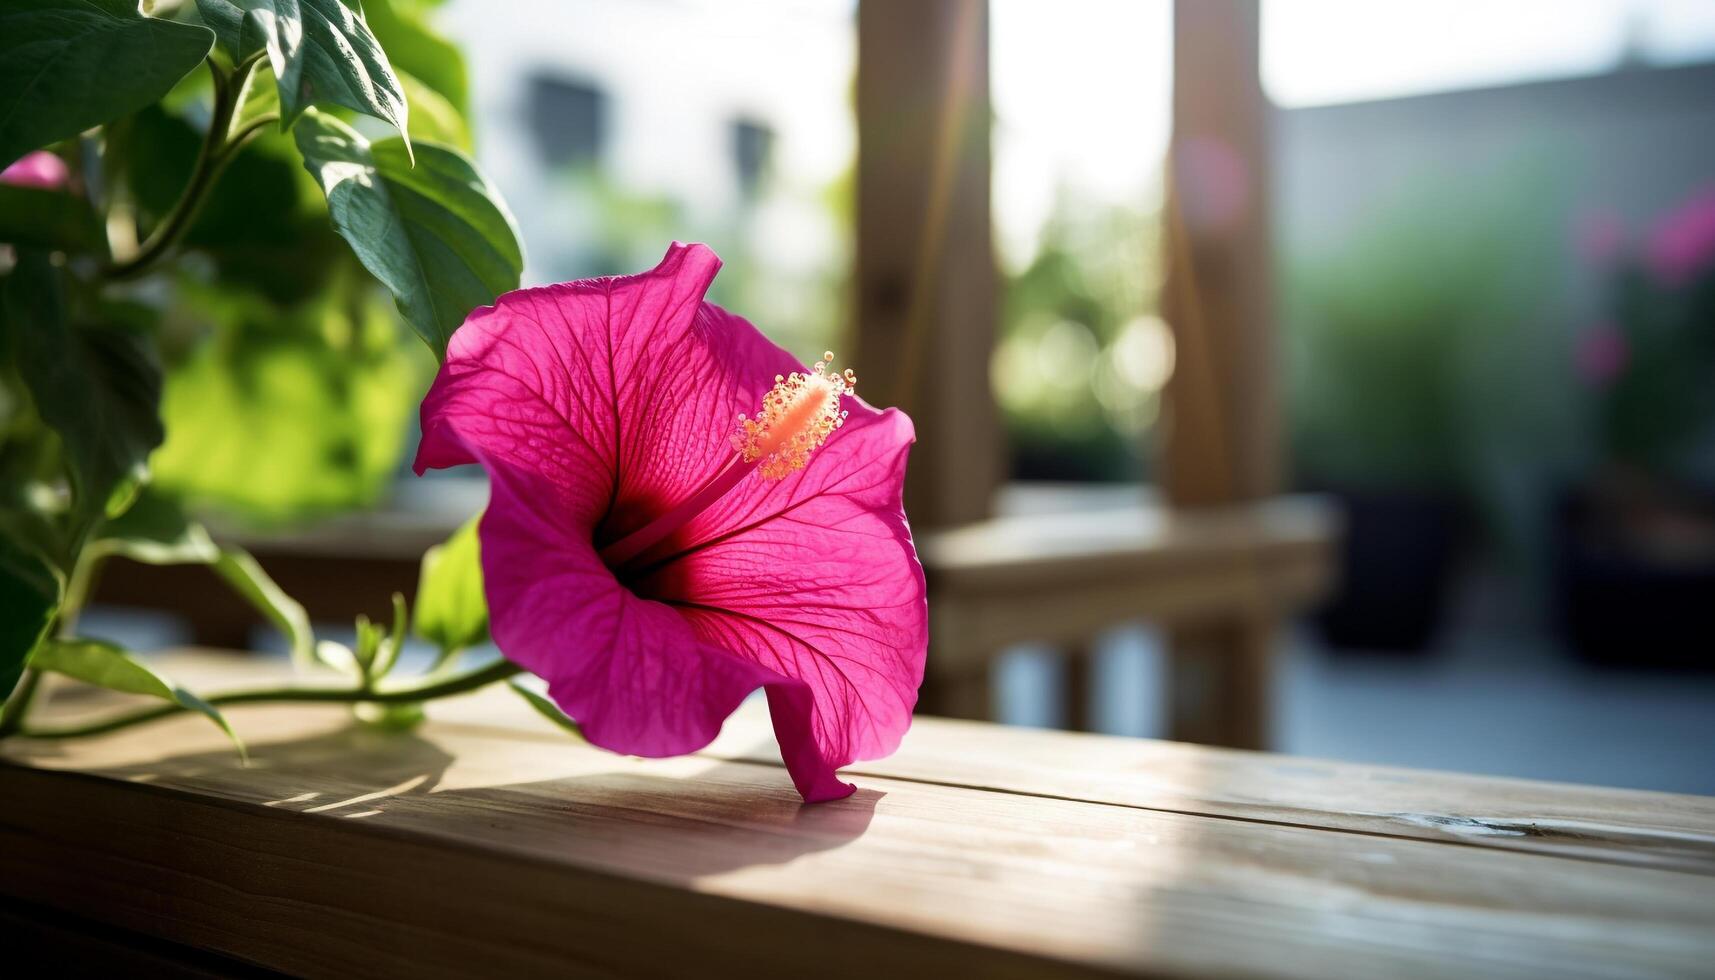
{"x":489,"y":843}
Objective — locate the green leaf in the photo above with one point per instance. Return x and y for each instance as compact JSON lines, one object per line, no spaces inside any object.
{"x":156,"y":531}
{"x":100,"y":389}
{"x":261,"y":98}
{"x":436,"y":235}
{"x":245,"y":575}
{"x":321,"y":51}
{"x":105,"y":665}
{"x":41,"y":218}
{"x":29,"y":598}
{"x":451,"y":611}
{"x":546,"y":708}
{"x":388,"y":649}
{"x":368,"y":641}
{"x":67,"y":65}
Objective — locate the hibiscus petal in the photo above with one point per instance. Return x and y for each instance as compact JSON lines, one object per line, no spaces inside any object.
{"x":815,"y":577}
{"x":631,"y":671}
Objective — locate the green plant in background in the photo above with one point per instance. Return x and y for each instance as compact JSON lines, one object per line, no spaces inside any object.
{"x":1422,"y":351}
{"x":196,"y":310}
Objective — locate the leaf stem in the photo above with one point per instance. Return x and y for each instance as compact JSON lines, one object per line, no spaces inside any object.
{"x":458,"y":684}
{"x":219,"y":146}
{"x":77,"y":591}
{"x":250,"y":129}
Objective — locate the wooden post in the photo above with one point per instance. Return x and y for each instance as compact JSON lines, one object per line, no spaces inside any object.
{"x":1221,"y":440}
{"x":963,"y":691}
{"x":1079,"y":689}
{"x":925,"y":289}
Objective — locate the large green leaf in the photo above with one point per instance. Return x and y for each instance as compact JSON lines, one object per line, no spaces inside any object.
{"x":436,"y":235}
{"x":67,"y":65}
{"x":321,"y":51}
{"x":29,"y":597}
{"x":98,"y":387}
{"x":42,"y":218}
{"x":451,"y":611}
{"x":105,"y":665}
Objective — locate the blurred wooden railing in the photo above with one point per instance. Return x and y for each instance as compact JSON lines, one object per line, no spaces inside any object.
{"x":1062,"y":578}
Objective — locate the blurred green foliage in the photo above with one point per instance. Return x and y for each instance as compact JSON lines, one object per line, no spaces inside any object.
{"x":1081,"y":357}
{"x":1425,"y":350}
{"x":277,"y":412}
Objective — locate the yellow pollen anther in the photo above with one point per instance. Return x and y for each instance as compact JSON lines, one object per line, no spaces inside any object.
{"x":798,"y":414}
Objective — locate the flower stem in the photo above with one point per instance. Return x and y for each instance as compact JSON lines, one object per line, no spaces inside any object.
{"x":219,"y":146}
{"x":457,"y":684}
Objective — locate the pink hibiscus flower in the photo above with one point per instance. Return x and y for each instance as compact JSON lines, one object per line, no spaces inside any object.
{"x":39,"y":169}
{"x":680,"y":514}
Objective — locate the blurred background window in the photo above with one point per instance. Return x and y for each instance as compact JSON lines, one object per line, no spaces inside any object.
{"x":752,"y":145}
{"x":569,"y":119}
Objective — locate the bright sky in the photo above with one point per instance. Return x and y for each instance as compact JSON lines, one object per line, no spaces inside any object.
{"x":1080,"y":90}
{"x":1322,"y":51}
{"x":1081,"y":86}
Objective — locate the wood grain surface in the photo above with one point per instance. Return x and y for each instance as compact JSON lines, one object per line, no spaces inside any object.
{"x":488,"y":842}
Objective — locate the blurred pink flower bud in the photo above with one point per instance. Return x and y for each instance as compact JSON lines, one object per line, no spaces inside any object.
{"x":1683,"y":242}
{"x":39,"y":169}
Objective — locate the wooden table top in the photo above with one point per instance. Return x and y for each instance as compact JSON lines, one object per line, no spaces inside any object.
{"x":488,"y":842}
